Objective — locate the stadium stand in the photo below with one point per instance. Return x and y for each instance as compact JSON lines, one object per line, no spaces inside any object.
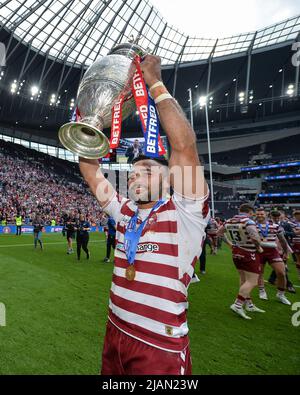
{"x":32,"y":182}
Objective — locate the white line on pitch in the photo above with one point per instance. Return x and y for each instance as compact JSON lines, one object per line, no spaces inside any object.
{"x":58,"y":242}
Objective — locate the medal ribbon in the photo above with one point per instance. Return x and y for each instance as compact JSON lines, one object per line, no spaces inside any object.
{"x":262,"y":231}
{"x":133,"y":235}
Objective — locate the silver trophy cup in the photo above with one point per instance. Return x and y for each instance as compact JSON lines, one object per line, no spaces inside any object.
{"x":102,"y":85}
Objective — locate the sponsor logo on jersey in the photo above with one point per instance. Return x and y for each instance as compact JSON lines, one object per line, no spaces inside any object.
{"x":142,"y":247}
{"x":147,"y":247}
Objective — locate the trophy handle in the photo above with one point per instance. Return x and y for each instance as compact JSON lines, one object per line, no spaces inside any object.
{"x":130,"y":50}
{"x":85,"y":140}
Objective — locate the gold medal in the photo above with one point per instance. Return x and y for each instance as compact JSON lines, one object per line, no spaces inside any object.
{"x":130,"y":273}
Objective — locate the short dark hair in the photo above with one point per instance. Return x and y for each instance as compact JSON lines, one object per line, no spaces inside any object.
{"x":296,"y":212}
{"x":275,"y":213}
{"x":160,"y":160}
{"x":246,"y":208}
{"x":260,"y":209}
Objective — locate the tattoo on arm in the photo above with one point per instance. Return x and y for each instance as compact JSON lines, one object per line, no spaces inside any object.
{"x":283,"y":242}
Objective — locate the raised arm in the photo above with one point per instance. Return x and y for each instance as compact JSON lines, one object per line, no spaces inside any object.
{"x":188,"y":177}
{"x":99,"y":185}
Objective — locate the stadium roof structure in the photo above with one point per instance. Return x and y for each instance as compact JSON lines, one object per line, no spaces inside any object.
{"x":50,"y":43}
{"x":76,"y":32}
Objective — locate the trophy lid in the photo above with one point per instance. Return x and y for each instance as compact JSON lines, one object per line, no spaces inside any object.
{"x":130,"y":50}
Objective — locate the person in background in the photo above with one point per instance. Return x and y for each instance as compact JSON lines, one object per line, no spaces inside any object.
{"x":38,"y":226}
{"x":244,"y":241}
{"x":53,"y":222}
{"x":212,"y":234}
{"x":271,"y":235}
{"x":70,"y":230}
{"x":111,"y":237}
{"x":82,"y":237}
{"x":202,"y":258}
{"x":19,"y":222}
{"x":277,"y":218}
{"x":295,"y":224}
{"x":134,"y":151}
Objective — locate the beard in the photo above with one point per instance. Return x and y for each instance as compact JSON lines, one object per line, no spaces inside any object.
{"x":144,"y":195}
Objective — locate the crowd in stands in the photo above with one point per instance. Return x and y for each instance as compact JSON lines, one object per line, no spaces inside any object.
{"x":37,"y":183}
{"x":32,"y":182}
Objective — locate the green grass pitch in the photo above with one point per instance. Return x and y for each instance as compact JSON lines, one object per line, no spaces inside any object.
{"x":56,"y":311}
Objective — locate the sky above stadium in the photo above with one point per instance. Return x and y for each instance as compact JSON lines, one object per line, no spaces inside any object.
{"x":221,"y":18}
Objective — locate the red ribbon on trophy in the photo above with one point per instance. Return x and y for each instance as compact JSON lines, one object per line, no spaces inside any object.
{"x":116,"y":125}
{"x":76,"y":117}
{"x":147,"y":113}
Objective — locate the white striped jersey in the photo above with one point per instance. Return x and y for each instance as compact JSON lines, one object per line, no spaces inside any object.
{"x":152,"y":307}
{"x":295,"y":226}
{"x":236,"y":229}
{"x":271,"y":239}
{"x":213,"y":227}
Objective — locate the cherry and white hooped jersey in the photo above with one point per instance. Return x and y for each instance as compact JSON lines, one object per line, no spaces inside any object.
{"x":213,"y":227}
{"x":295,"y":226}
{"x":236,"y":229}
{"x":152,"y":308}
{"x":271,"y":239}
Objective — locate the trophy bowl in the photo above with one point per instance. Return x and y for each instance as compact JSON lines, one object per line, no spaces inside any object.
{"x":102,"y":85}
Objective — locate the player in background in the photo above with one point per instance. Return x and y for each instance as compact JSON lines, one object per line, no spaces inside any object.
{"x":212,"y":234}
{"x":243,"y":238}
{"x":37,"y":231}
{"x":295,"y":224}
{"x":271,"y":233}
{"x":278,"y":218}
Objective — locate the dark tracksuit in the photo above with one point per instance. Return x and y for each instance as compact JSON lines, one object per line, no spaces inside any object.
{"x":202,"y":258}
{"x":82,"y":238}
{"x":111,"y":237}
